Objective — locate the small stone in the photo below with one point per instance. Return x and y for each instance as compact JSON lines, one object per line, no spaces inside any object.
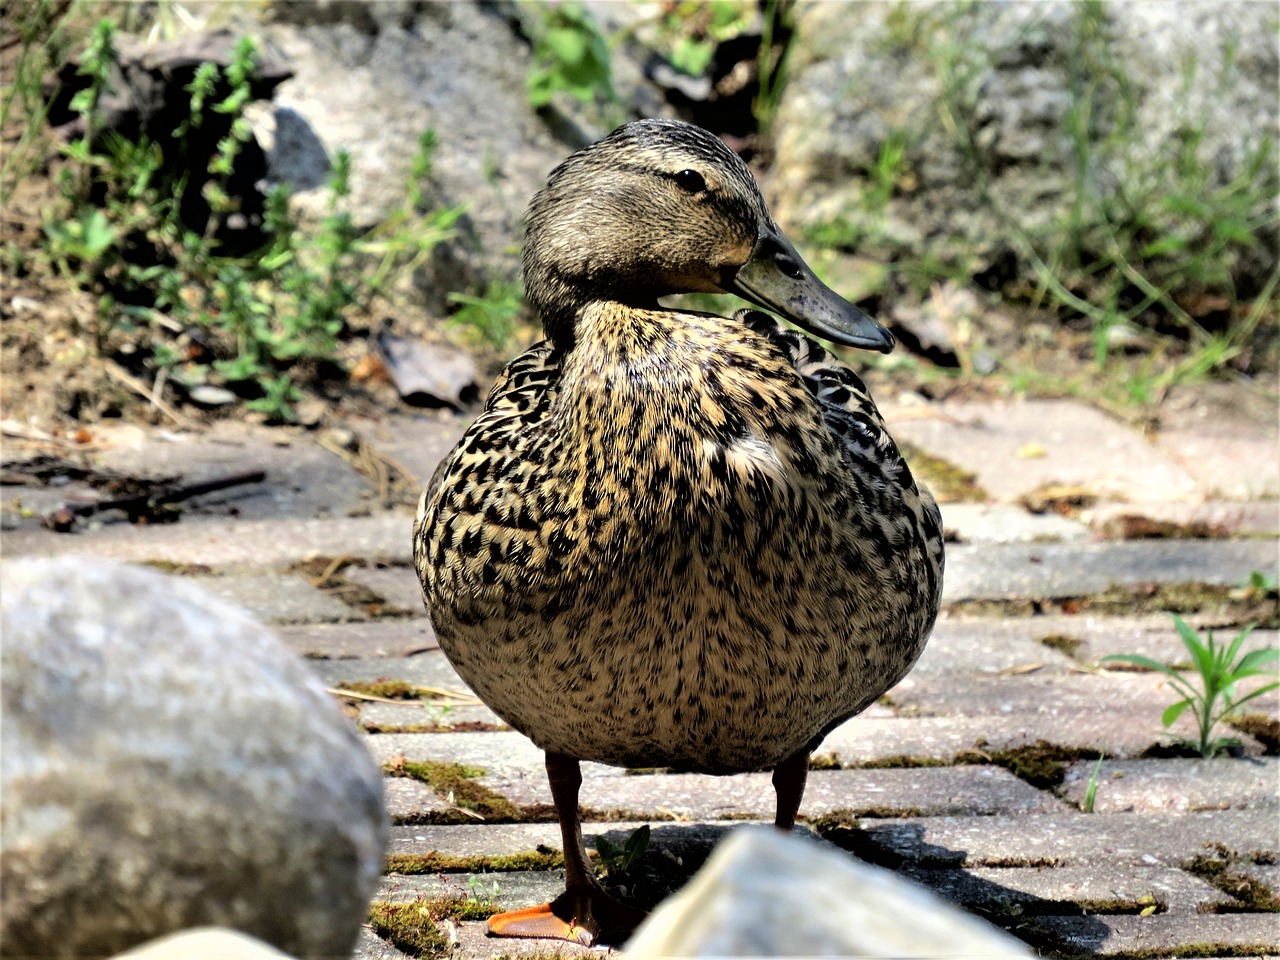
{"x":764,"y":894}
{"x":207,"y":395}
{"x":166,"y":763}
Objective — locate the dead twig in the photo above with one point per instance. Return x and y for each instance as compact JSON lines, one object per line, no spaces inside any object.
{"x":142,"y":504}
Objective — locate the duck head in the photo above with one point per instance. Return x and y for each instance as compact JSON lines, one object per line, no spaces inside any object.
{"x":660,"y":207}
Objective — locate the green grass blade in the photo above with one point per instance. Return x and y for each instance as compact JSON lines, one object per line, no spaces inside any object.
{"x":1253,"y":694}
{"x":1141,"y":661}
{"x":1236,"y":644}
{"x":1249,"y":663}
{"x":1172,"y":713}
{"x":1201,"y":654}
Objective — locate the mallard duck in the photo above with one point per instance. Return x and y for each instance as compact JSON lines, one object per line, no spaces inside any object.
{"x":674,"y":539}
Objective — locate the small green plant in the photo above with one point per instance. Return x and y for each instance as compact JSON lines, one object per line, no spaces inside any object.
{"x":618,"y":860}
{"x":1219,"y":671}
{"x":1091,"y":788}
{"x":478,"y":892}
{"x":260,"y":321}
{"x":570,"y":55}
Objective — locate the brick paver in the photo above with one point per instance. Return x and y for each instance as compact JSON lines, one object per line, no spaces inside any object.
{"x":967,"y":777}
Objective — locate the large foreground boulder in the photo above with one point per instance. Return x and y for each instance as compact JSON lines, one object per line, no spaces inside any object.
{"x":166,"y":763}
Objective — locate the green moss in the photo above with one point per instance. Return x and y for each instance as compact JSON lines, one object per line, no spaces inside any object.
{"x":825,"y":761}
{"x":1228,"y":608}
{"x":411,"y":927}
{"x":390,"y":689}
{"x":1069,"y":646}
{"x":466,"y":726}
{"x":423,"y":863}
{"x":456,"y":783}
{"x":180,"y":569}
{"x":900,"y":761}
{"x":949,"y":483}
{"x":1041,"y":764}
{"x":1218,"y":868}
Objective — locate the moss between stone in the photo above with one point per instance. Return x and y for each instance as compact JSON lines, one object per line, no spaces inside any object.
{"x":902,"y":761}
{"x":949,"y":483}
{"x":542,"y":858}
{"x":180,"y":569}
{"x":411,"y":927}
{"x":388,"y":689}
{"x":1041,"y":764}
{"x":1069,"y":646}
{"x":1230,"y":609}
{"x":465,"y":726}
{"x":1218,"y":868}
{"x":456,"y":782}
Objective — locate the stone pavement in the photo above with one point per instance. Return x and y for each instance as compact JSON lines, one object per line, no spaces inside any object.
{"x":971,"y":776}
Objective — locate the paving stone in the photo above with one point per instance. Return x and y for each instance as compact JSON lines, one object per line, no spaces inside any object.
{"x":1127,"y":841}
{"x":370,"y":946}
{"x":686,"y":840}
{"x":280,"y":598}
{"x":1148,"y":785}
{"x":1016,"y":447}
{"x":505,"y":757}
{"x":1232,"y":460}
{"x":1226,"y":518}
{"x":936,"y":791}
{"x":1121,"y":732}
{"x":399,"y":586}
{"x":1069,"y":695}
{"x":369,"y":639}
{"x":985,"y":647}
{"x":516,"y":888}
{"x":1048,"y":890}
{"x":1007,"y":523}
{"x":1050,"y":570}
{"x":412,"y":716}
{"x":407,"y":798}
{"x":430,"y":668}
{"x":230,"y":545}
{"x":1166,"y":935}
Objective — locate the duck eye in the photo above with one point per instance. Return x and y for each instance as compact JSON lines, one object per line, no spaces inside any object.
{"x":690,"y":181}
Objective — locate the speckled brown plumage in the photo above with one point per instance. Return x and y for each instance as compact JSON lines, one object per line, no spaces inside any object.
{"x":672,"y":538}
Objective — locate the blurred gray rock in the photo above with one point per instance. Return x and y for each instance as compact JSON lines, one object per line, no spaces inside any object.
{"x":763,"y":894}
{"x":167,"y":763}
{"x":863,"y":75}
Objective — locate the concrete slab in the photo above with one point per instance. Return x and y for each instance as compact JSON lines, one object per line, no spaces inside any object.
{"x":1178,"y":785}
{"x":1054,"y":570}
{"x":406,"y":798}
{"x":1217,"y":935}
{"x":280,"y":598}
{"x":230,"y":545}
{"x":937,"y":791}
{"x":1234,"y":460}
{"x":1016,"y":447}
{"x":1128,"y":841}
{"x":1007,"y":523}
{"x":1054,"y":890}
{"x":398,"y":586}
{"x":986,"y":647}
{"x":369,"y":639}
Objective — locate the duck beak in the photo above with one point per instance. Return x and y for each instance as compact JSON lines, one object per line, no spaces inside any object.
{"x":777,"y":278}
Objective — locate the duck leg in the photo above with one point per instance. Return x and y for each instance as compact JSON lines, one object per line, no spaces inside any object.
{"x":584,"y":913}
{"x":788,"y":782}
